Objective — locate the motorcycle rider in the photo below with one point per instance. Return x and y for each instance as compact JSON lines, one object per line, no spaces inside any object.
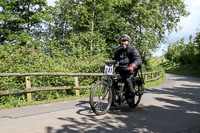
{"x":129,"y":62}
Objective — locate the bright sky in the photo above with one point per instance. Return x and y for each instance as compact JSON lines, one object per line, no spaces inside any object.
{"x":187,"y":26}
{"x":51,"y":2}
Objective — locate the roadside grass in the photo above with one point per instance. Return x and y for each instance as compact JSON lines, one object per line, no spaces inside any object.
{"x":170,"y":67}
{"x":158,"y":62}
{"x":186,"y":70}
{"x":154,"y":83}
{"x":21,"y":103}
{"x":155,"y":63}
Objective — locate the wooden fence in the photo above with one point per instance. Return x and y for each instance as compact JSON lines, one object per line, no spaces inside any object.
{"x":149,"y":76}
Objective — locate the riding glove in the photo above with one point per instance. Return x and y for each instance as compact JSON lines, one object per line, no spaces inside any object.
{"x":132,"y":67}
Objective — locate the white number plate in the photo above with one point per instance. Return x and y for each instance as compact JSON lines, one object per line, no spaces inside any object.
{"x":108,"y":70}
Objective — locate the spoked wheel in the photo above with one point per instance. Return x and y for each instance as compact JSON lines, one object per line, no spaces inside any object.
{"x":100,"y":98}
{"x":137,"y":98}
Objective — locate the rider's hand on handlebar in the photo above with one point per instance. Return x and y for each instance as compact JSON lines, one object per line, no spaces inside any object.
{"x":132,"y":67}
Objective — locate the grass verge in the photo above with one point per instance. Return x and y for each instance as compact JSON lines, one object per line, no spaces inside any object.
{"x":186,"y":70}
{"x":155,"y":83}
{"x":68,"y":98}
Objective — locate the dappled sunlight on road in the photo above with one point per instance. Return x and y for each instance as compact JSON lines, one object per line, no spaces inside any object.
{"x":171,"y":109}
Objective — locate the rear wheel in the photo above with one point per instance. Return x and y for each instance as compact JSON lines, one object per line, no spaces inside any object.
{"x":137,"y":97}
{"x":100,"y":98}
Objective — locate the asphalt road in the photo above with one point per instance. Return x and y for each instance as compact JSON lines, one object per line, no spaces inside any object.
{"x":172,"y":107}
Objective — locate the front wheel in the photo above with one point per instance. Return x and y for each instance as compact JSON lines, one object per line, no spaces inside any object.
{"x":100,"y":98}
{"x":137,"y":97}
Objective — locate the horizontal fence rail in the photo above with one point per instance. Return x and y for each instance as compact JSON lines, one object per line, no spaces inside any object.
{"x":149,"y":76}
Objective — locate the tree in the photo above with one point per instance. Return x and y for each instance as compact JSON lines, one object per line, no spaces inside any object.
{"x":148,"y":21}
{"x":145,"y":21}
{"x":89,"y":18}
{"x":185,"y":54}
{"x":197,"y":45}
{"x":21,"y":21}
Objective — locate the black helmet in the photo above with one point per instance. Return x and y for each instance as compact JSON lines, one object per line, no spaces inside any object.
{"x":125,"y":37}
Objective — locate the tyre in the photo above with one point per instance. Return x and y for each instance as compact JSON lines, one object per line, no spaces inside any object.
{"x":100,"y":98}
{"x":137,"y":97}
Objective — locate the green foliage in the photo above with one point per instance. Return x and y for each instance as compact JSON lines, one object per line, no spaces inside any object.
{"x":19,"y":18}
{"x":182,"y":53}
{"x":76,"y":36}
{"x":183,"y":58}
{"x":156,"y":82}
{"x":86,"y":44}
{"x":180,"y":69}
{"x":155,"y":63}
{"x":146,"y":22}
{"x":25,"y":59}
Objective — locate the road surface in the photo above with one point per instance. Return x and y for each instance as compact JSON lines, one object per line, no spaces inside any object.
{"x":172,"y":107}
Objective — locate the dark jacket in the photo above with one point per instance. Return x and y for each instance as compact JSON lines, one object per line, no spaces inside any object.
{"x":125,"y":57}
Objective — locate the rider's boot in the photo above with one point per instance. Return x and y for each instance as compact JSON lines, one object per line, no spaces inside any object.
{"x":131,"y":99}
{"x":113,"y":103}
{"x":114,"y":95}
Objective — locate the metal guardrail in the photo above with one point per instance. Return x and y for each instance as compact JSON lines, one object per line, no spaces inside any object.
{"x":149,"y":76}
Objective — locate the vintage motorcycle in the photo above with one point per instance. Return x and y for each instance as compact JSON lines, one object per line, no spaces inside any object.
{"x":104,"y":92}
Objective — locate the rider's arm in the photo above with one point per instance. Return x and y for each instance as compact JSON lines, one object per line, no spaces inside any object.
{"x":135,"y":59}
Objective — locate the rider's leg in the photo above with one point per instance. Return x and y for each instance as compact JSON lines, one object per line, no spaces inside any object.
{"x":130,"y":83}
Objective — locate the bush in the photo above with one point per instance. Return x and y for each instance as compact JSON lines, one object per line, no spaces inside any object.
{"x":23,"y":60}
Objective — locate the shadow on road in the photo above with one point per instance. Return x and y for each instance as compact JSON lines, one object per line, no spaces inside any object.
{"x":180,"y":113}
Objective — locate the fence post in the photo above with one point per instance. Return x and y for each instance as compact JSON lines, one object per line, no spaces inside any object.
{"x":77,"y":85}
{"x":146,"y":77}
{"x":28,"y":85}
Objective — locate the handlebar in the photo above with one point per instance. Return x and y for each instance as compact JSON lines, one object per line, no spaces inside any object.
{"x":111,"y":62}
